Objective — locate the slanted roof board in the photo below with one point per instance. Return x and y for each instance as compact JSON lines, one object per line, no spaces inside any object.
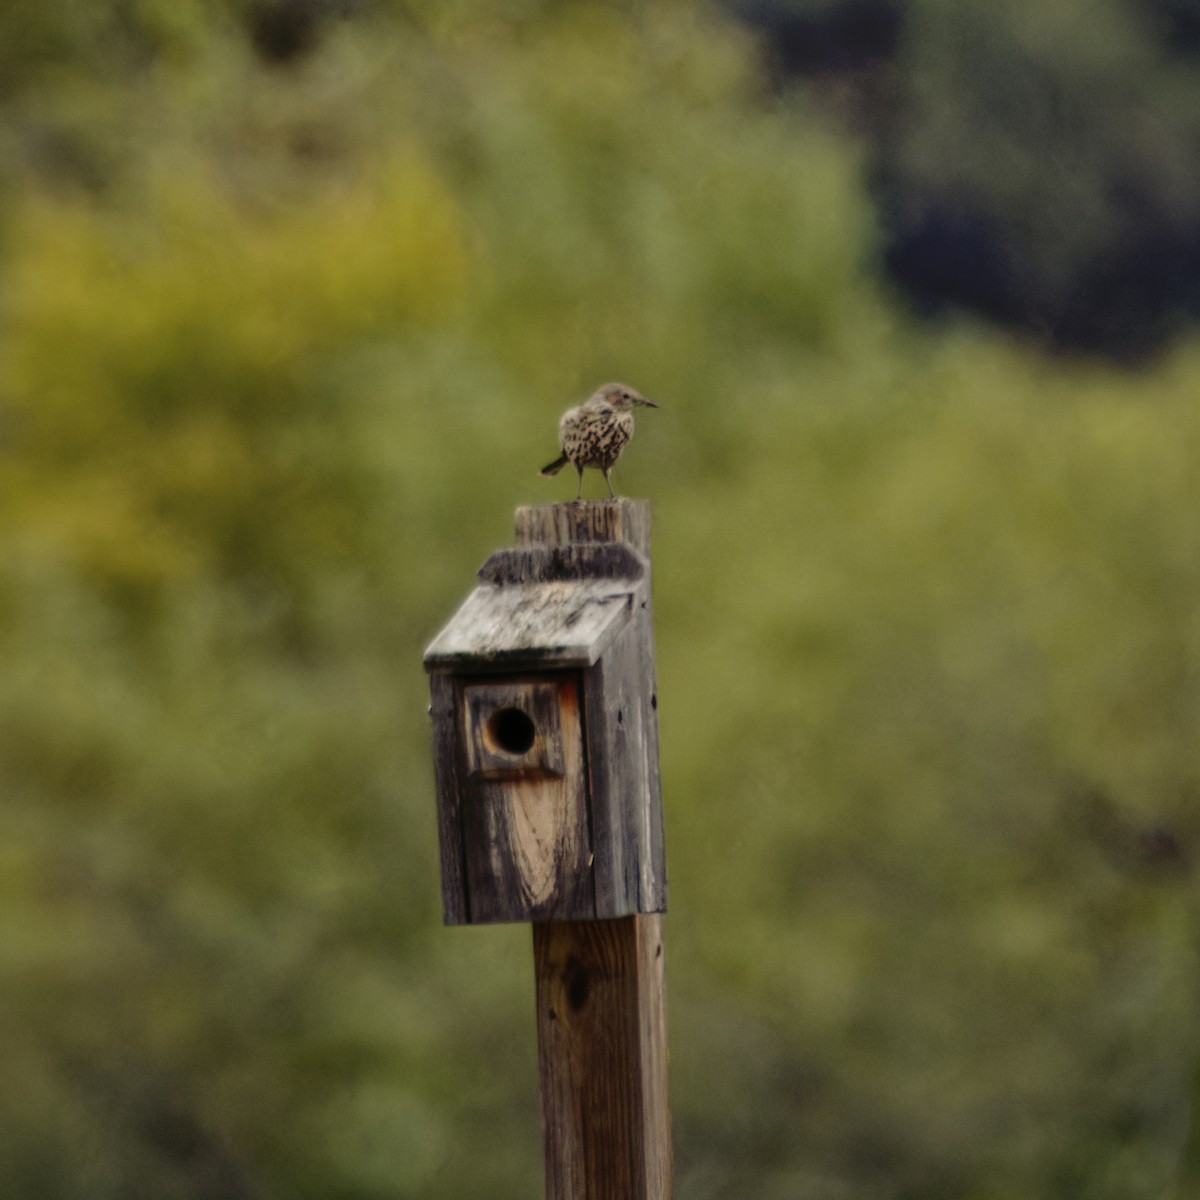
{"x":564,"y":623}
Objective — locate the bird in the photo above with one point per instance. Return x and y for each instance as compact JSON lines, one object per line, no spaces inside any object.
{"x":594,"y":433}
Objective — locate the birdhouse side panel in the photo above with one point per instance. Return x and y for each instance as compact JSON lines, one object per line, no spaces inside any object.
{"x":622,"y":749}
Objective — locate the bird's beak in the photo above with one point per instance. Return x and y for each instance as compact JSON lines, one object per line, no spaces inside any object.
{"x":647,"y":403}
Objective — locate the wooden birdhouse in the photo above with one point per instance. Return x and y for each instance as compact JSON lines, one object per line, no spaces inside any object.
{"x":545,"y":726}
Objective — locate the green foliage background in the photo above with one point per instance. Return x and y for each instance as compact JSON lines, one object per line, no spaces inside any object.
{"x":281,"y":348}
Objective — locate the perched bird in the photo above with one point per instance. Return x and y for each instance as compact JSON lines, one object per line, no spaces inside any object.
{"x":594,"y":433}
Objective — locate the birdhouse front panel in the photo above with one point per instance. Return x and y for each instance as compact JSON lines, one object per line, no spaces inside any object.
{"x":527,"y":852}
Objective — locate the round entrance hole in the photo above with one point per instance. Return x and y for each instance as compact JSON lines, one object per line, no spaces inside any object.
{"x":511,"y":730}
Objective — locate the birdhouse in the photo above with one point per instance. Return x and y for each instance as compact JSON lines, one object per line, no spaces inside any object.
{"x":545,"y":728}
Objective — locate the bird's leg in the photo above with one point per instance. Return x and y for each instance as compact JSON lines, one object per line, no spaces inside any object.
{"x":579,"y":493}
{"x":608,"y":481}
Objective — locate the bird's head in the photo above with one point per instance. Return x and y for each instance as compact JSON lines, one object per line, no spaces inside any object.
{"x":622,"y":397}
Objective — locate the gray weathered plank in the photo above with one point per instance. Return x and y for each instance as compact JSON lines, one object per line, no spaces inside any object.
{"x":621,"y":704}
{"x":447,"y":765}
{"x":559,"y":624}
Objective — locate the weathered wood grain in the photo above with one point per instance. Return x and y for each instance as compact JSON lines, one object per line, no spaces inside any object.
{"x":618,"y":519}
{"x":602,"y":1050}
{"x":622,"y":747}
{"x":566,"y":623}
{"x":526,"y":843}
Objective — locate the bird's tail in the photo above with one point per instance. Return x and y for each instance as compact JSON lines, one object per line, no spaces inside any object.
{"x":554,"y":467}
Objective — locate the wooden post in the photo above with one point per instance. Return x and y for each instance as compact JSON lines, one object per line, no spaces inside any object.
{"x":602,"y":1058}
{"x":601,"y":986}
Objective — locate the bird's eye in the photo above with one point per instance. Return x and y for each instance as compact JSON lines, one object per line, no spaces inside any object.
{"x":625,"y":396}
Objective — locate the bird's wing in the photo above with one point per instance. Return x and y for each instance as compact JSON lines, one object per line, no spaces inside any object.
{"x":575,"y":420}
{"x":600,"y":415}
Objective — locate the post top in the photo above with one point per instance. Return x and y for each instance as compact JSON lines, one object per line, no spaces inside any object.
{"x":616,"y":519}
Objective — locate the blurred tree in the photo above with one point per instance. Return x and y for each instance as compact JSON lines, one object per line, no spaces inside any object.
{"x":819,"y":37}
{"x":284,"y":339}
{"x":1031,"y":167}
{"x":1178,"y":23}
{"x":1040,"y":173}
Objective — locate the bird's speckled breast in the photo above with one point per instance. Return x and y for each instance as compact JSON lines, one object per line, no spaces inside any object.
{"x":595,"y":436}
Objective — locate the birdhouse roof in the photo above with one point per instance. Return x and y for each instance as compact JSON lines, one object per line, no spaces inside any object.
{"x":541,"y":608}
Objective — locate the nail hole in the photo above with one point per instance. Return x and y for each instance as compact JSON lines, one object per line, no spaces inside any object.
{"x":510,"y":730}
